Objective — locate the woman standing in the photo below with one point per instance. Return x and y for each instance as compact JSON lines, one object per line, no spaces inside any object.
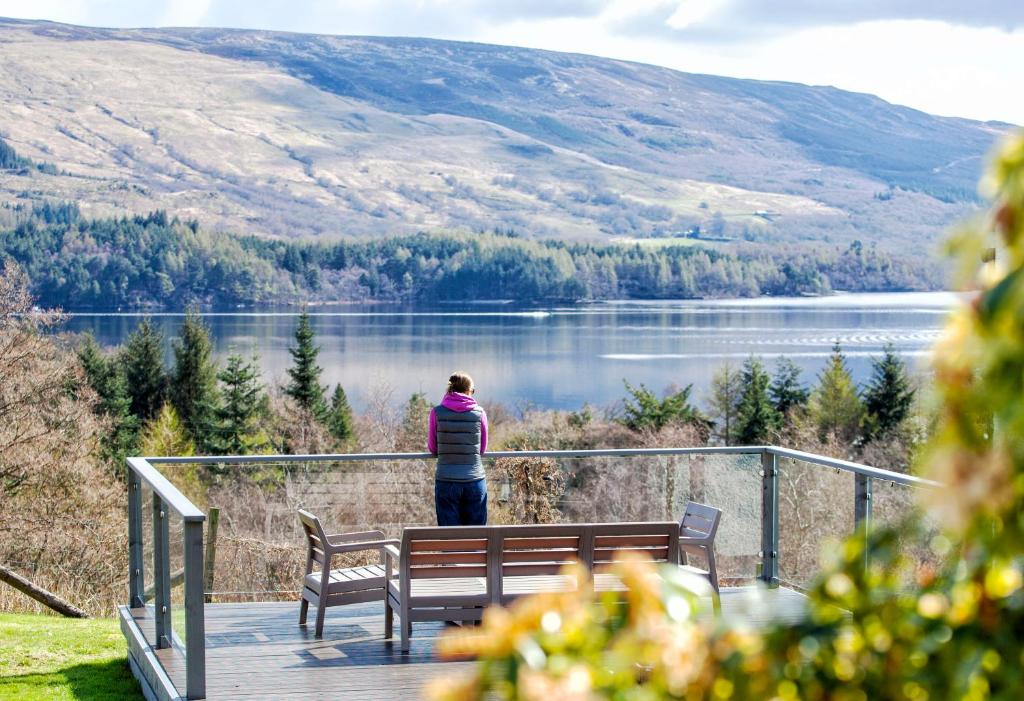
{"x":458,"y":437}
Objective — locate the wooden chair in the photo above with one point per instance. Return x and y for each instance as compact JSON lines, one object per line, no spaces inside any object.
{"x":336,"y":587}
{"x":697,"y":530}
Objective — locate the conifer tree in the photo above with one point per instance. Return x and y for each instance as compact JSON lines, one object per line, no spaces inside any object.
{"x":304,"y":386}
{"x":166,"y":436}
{"x":107,"y":379}
{"x":644,"y":411}
{"x":412,"y":435}
{"x":142,"y":360}
{"x":193,"y":385}
{"x":724,"y":401}
{"x":787,"y":392}
{"x":889,"y":395}
{"x":241,"y":402}
{"x":756,"y":416}
{"x":339,"y":420}
{"x":834,"y":404}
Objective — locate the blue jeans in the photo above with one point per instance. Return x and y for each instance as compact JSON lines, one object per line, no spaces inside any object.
{"x":461,"y":503}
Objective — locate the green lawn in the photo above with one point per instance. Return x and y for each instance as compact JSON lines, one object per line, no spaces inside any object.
{"x":45,"y":657}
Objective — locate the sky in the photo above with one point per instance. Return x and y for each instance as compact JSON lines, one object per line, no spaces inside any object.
{"x":960,"y":58}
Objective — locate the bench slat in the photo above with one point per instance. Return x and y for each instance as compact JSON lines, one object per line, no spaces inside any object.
{"x":448,"y":572}
{"x":537,"y":543}
{"x":615,"y":554}
{"x":541,"y":556}
{"x":448,"y":545}
{"x":447,"y":558}
{"x":615,"y":541}
{"x":528,"y":570}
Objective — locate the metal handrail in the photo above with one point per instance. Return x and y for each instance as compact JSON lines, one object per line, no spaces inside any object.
{"x":839,"y":464}
{"x":162,"y":486}
{"x":854,"y":467}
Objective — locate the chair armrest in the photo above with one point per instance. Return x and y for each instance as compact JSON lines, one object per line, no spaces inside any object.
{"x":392,"y":549}
{"x":361,"y":545}
{"x":338,"y":538}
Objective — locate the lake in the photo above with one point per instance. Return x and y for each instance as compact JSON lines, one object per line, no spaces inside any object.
{"x":562,"y":356}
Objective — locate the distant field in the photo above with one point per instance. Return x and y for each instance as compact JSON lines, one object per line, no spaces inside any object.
{"x":50,"y":658}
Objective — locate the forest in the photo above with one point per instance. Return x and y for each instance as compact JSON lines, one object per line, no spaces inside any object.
{"x":160,"y":261}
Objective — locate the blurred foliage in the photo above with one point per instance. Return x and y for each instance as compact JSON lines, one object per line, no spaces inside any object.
{"x":882,"y":631}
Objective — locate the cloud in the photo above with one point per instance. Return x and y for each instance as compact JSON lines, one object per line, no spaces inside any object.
{"x":724,"y":20}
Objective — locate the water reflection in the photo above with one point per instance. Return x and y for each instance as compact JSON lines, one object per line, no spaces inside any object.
{"x":562,"y":356}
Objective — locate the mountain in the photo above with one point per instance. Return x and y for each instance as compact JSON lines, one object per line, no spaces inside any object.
{"x":296,"y":135}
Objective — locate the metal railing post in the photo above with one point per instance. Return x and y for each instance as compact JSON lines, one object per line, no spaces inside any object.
{"x":769,"y":519}
{"x":862,"y":510}
{"x":161,"y":573}
{"x":136,"y":577}
{"x":195,"y":627}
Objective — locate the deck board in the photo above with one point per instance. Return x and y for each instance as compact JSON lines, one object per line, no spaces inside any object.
{"x":258,"y":651}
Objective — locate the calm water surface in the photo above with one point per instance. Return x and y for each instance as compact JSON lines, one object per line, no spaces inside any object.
{"x":561,"y":357}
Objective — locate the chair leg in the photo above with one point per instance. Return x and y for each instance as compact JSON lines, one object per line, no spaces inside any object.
{"x":321,"y":609}
{"x":303,"y":610}
{"x":712,"y":569}
{"x":389,"y":618}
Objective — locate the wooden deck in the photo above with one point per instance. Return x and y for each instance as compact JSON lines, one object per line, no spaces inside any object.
{"x":258,"y":651}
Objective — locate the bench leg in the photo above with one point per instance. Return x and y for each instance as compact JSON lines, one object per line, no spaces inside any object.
{"x":389,"y":618}
{"x":303,"y":610}
{"x":321,"y":609}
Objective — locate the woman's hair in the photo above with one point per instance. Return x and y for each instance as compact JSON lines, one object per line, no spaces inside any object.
{"x":460,"y":382}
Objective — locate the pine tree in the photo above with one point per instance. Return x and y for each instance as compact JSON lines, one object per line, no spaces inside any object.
{"x":242,"y":401}
{"x":834,"y":404}
{"x":412,"y":435}
{"x":339,"y":420}
{"x":305,"y":386}
{"x":646,"y":412}
{"x":193,"y":386}
{"x":724,"y":401}
{"x":756,"y":417}
{"x":107,"y":379}
{"x":787,"y":392}
{"x":889,"y":394}
{"x":142,"y":360}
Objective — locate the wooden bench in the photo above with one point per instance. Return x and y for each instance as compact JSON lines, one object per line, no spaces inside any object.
{"x":324,"y":586}
{"x":453,"y":573}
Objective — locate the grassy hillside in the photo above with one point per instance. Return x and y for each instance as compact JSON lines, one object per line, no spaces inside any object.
{"x":303,"y":135}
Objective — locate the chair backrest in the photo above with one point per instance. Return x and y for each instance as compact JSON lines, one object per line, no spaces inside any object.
{"x":541,"y":549}
{"x":315,"y":538}
{"x":699,"y":521}
{"x":445,"y":552}
{"x":659,"y":540}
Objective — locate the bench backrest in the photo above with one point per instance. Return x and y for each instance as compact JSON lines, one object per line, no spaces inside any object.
{"x":445,"y":552}
{"x":659,"y":540}
{"x":526,"y":551}
{"x":483,"y":551}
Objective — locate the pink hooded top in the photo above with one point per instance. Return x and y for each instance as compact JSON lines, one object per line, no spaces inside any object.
{"x":460,"y":403}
